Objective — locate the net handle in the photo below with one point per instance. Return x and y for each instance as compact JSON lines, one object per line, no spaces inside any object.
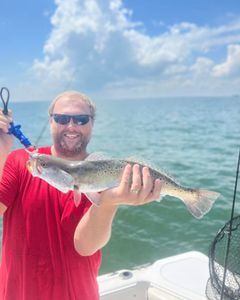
{"x":230,"y":228}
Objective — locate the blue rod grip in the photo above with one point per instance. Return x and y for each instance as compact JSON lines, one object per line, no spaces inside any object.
{"x":16,"y":131}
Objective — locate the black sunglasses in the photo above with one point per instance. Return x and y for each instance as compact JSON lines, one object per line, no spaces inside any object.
{"x":65,"y":119}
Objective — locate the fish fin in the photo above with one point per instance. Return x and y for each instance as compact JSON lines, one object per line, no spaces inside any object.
{"x":160,"y":198}
{"x":94,"y":198}
{"x":139,"y":160}
{"x":200,"y":202}
{"x":77,"y":195}
{"x":97,"y":156}
{"x":150,"y":164}
{"x":67,"y":184}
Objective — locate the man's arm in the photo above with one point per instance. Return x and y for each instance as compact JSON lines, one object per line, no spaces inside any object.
{"x":6,"y":143}
{"x":94,"y":229}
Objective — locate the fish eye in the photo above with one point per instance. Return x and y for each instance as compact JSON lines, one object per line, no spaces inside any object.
{"x":43,"y":164}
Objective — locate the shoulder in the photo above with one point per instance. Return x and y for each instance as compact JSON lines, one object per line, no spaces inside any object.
{"x":22,"y":155}
{"x":44,"y":150}
{"x":18,"y":154}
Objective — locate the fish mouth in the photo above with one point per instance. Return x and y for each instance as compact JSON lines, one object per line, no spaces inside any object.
{"x":32,"y":164}
{"x":29,"y":166}
{"x":33,"y":167}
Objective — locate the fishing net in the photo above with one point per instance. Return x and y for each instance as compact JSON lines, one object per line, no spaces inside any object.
{"x":217,"y":256}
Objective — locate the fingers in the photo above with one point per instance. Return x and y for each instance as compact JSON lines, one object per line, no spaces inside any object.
{"x":156,"y":192}
{"x":4,"y":122}
{"x":124,"y":184}
{"x":136,"y":179}
{"x":137,"y":185}
{"x":151,"y":189}
{"x":147,"y":184}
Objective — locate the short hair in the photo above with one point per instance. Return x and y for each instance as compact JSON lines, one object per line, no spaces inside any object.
{"x":84,"y":98}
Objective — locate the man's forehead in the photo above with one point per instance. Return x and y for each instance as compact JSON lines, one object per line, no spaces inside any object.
{"x":71,"y":101}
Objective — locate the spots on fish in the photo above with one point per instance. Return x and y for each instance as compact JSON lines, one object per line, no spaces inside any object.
{"x":95,"y":176}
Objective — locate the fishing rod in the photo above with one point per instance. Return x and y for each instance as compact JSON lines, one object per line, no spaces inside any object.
{"x":14,"y":129}
{"x":45,"y":125}
{"x":224,"y":281}
{"x":230,"y":230}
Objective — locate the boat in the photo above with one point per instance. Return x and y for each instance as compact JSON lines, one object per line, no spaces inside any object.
{"x":179,"y":277}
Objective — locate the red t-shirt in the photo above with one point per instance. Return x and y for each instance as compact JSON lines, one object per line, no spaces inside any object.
{"x":39,"y":261}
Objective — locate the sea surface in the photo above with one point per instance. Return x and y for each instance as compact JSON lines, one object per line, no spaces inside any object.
{"x":196,"y":140}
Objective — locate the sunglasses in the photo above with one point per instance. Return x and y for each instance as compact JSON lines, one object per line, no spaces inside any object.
{"x":65,"y":119}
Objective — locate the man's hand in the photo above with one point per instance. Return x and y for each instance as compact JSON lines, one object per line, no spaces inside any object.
{"x":6,"y":140}
{"x":94,"y":229}
{"x":138,"y":191}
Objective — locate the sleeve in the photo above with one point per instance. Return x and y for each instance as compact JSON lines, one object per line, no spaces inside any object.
{"x":9,"y":183}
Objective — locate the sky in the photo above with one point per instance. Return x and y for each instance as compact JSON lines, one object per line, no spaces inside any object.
{"x":120,"y":49}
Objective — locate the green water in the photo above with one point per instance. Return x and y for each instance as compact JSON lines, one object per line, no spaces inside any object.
{"x":196,"y":140}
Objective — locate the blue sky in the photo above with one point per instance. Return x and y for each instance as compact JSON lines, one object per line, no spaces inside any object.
{"x":120,"y":49}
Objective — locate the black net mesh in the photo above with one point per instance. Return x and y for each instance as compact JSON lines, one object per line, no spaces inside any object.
{"x":217,"y":256}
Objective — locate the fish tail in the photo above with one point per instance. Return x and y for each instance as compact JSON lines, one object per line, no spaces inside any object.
{"x":199,"y":202}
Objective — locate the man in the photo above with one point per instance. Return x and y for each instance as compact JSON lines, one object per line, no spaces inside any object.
{"x":51,"y":248}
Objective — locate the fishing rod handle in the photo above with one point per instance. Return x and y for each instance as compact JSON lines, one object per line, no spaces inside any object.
{"x":16,"y":131}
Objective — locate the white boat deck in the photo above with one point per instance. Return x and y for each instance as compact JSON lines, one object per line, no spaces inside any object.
{"x":180,"y":277}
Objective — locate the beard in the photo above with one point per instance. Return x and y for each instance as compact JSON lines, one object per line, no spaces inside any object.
{"x":70,"y":148}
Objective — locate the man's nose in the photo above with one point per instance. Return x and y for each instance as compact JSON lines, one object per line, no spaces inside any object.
{"x":71,"y":123}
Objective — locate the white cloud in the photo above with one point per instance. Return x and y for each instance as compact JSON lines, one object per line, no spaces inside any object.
{"x":231,"y":67}
{"x":202,"y":65}
{"x":95,"y":47}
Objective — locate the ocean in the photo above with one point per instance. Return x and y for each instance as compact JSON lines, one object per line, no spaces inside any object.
{"x":196,"y":140}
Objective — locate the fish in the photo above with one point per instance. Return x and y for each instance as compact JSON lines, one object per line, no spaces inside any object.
{"x":93,"y":175}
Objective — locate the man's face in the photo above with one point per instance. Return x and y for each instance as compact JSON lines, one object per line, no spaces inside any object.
{"x":71,"y":140}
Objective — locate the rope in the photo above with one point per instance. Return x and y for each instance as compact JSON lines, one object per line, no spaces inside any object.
{"x":13,"y":129}
{"x":5,"y":102}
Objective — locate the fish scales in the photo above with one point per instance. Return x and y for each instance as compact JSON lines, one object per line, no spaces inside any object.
{"x":103,"y":169}
{"x":90,"y":176}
